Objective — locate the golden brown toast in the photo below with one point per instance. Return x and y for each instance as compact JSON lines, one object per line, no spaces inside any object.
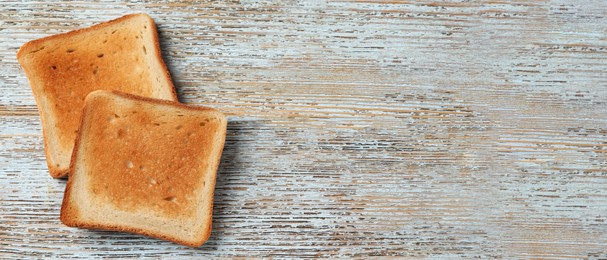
{"x":145,"y":166}
{"x":121,"y":54}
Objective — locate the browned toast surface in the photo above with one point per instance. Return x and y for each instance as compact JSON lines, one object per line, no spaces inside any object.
{"x":145,"y":166}
{"x":121,"y":54}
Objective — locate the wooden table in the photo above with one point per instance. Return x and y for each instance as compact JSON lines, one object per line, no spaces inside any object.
{"x":357,"y":128}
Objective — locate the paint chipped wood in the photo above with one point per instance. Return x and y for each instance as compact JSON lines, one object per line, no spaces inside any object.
{"x":357,"y":128}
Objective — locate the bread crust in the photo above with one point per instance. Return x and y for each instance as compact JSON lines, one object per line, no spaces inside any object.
{"x":70,"y":213}
{"x":36,"y":77}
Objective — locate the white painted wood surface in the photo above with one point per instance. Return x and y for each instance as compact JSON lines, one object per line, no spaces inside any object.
{"x":357,"y":128}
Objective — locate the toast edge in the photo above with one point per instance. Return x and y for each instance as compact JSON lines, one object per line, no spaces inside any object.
{"x":54,"y":171}
{"x":217,"y":162}
{"x":66,"y":213}
{"x":158,"y":54}
{"x":34,"y":43}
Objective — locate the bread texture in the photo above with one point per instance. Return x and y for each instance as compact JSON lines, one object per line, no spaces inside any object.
{"x":145,"y":166}
{"x":122,"y":54}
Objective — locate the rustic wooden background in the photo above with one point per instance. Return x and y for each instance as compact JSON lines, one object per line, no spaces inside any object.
{"x":356,"y":127}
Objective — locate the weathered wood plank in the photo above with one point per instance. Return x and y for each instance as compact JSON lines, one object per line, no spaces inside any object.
{"x":357,"y":128}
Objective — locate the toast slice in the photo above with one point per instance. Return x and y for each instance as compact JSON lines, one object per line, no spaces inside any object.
{"x":121,"y":54}
{"x":145,"y":166}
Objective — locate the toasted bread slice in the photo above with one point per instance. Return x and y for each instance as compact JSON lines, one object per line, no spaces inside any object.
{"x":145,"y":166}
{"x":121,"y":54}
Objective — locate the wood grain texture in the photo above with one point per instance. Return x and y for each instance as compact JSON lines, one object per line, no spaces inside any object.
{"x":356,"y":128}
